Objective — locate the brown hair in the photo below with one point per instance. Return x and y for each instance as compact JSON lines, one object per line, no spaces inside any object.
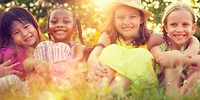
{"x":109,"y":27}
{"x":171,"y":8}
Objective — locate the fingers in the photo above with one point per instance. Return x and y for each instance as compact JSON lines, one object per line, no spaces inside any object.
{"x":102,"y":67}
{"x":9,"y":65}
{"x":6,"y":63}
{"x":13,"y":65}
{"x":16,"y":72}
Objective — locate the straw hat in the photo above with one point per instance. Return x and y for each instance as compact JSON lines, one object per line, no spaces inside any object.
{"x":109,"y":7}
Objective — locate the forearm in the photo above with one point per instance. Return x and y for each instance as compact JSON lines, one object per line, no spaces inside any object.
{"x":155,"y":39}
{"x":80,"y":52}
{"x":193,"y":46}
{"x":95,"y":54}
{"x":156,"y":51}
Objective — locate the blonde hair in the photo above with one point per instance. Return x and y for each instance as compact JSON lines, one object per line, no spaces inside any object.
{"x":171,"y":8}
{"x":109,"y":27}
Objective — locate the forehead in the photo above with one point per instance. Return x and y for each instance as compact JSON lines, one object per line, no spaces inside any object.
{"x":126,"y":10}
{"x":16,"y":25}
{"x":61,"y":13}
{"x":180,"y":15}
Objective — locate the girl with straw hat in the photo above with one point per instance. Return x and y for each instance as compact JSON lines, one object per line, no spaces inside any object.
{"x":122,"y":50}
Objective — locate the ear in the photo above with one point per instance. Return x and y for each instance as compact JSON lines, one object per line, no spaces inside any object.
{"x":165,"y":28}
{"x":141,"y":21}
{"x":194,"y":28}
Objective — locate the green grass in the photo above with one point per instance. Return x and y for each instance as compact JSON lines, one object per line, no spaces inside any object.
{"x":80,"y":90}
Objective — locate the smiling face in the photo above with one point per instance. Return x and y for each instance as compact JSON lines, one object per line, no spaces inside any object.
{"x":24,"y":34}
{"x":61,"y":25}
{"x":180,"y":26}
{"x":127,"y":22}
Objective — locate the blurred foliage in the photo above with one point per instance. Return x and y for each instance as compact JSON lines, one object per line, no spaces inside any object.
{"x":91,"y":15}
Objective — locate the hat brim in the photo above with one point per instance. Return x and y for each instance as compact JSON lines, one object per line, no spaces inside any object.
{"x":109,"y":7}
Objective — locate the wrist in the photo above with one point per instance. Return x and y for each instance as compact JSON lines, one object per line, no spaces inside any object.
{"x":100,"y":45}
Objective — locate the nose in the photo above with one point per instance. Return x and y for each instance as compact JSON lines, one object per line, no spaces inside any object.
{"x":60,"y":24}
{"x":126,"y":21}
{"x":25,"y":33}
{"x":179,"y":28}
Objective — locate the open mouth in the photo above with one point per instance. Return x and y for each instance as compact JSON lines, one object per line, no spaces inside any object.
{"x":127,"y":28}
{"x":179,"y":36}
{"x":60,"y":31}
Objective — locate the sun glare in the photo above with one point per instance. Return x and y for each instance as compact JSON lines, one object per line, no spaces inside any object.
{"x":101,"y":3}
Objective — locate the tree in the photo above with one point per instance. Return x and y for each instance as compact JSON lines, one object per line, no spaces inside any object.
{"x":87,"y":11}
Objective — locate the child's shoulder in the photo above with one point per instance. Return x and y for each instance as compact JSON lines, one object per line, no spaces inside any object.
{"x":80,"y":46}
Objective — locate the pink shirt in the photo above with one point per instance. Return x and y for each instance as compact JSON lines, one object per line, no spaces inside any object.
{"x":9,"y":53}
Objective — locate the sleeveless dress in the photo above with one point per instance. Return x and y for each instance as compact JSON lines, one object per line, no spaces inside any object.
{"x":134,"y":63}
{"x":160,"y":70}
{"x":57,"y":54}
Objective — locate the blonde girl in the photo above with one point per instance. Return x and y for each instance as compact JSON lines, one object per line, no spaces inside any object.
{"x":178,"y":27}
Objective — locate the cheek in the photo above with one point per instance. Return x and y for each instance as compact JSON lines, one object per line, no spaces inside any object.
{"x":70,"y":29}
{"x":17,"y":40}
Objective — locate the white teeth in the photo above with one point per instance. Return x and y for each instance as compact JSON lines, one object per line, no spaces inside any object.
{"x":179,"y":36}
{"x":127,"y":28}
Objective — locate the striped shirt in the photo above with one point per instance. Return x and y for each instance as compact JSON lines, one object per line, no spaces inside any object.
{"x":54,"y":52}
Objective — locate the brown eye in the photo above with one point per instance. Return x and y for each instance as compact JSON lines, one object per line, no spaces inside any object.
{"x":26,"y":26}
{"x":53,"y":21}
{"x":15,"y":33}
{"x":66,"y":22}
{"x":133,"y":16}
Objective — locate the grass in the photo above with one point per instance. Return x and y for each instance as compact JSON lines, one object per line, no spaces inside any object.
{"x":80,"y":89}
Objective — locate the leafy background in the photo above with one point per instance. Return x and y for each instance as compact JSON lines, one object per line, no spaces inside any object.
{"x":91,"y":14}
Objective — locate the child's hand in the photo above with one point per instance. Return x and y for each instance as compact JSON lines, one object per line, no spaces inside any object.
{"x":171,"y":59}
{"x":195,"y":60}
{"x":97,"y":68}
{"x":7,"y":68}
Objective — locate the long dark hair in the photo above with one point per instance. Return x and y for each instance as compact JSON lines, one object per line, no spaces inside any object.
{"x":15,"y":14}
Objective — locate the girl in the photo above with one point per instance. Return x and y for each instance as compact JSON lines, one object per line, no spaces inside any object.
{"x":131,"y":30}
{"x":60,"y":50}
{"x":19,"y":36}
{"x":128,"y":35}
{"x":178,"y":27}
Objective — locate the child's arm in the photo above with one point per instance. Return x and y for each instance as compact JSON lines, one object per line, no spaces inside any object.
{"x":94,"y":65}
{"x":155,"y":39}
{"x":169,"y":58}
{"x":193,"y":46}
{"x":195,"y":60}
{"x":80,"y":51}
